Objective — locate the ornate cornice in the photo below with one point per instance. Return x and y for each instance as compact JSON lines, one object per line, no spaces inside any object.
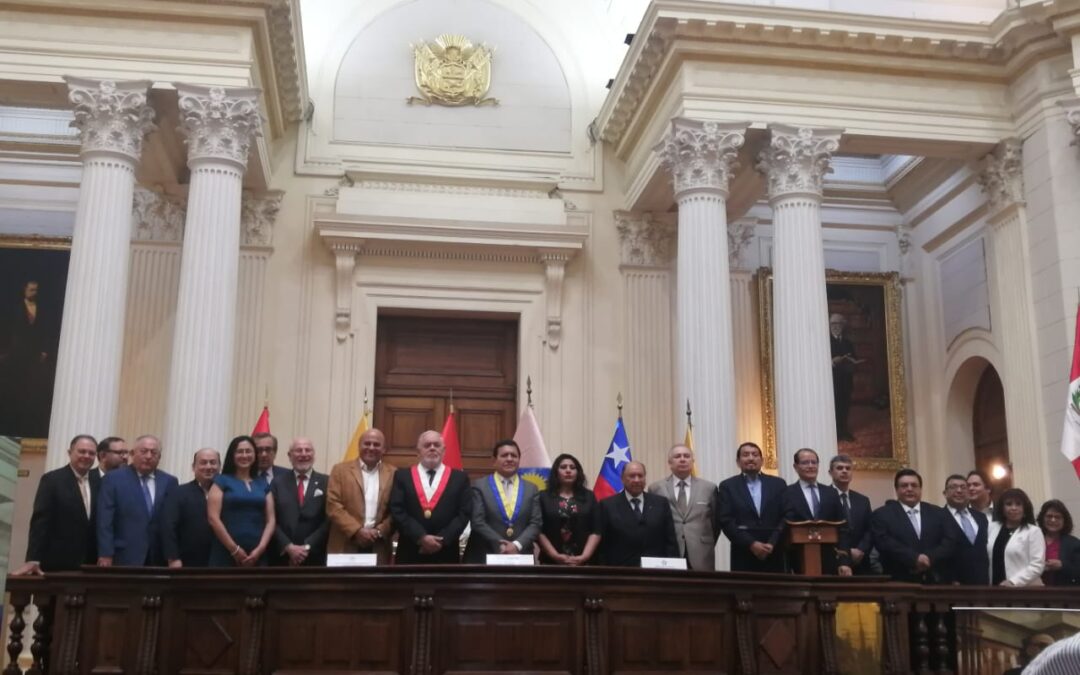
{"x":111,"y":116}
{"x":701,"y":155}
{"x":219,"y":123}
{"x":283,"y":19}
{"x":158,"y":217}
{"x":1002,"y":175}
{"x":646,"y":241}
{"x":797,"y":159}
{"x":258,"y":212}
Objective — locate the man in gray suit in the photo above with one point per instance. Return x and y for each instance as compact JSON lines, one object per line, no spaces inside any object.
{"x":505,"y":509}
{"x":692,"y":504}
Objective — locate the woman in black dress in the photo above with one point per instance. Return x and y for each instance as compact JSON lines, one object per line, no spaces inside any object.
{"x":570,"y":532}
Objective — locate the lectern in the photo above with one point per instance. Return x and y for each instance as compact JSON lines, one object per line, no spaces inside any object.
{"x":807,"y":537}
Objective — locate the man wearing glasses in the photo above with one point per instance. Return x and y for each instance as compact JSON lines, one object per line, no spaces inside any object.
{"x":112,"y":453}
{"x":806,"y":499}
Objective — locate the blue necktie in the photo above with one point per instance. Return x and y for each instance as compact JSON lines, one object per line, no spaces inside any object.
{"x":969,"y":529}
{"x":815,"y":505}
{"x":146,"y":493}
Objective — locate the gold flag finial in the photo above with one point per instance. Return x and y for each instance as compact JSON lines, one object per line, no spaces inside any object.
{"x":451,"y":400}
{"x":618,"y":402}
{"x":365,"y":411}
{"x":528,"y":389}
{"x":689,"y":415}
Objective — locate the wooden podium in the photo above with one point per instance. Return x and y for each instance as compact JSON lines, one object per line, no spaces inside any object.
{"x":808,"y":536}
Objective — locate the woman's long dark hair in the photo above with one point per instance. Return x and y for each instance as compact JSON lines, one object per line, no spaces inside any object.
{"x":229,"y":466}
{"x":1015,"y":495}
{"x":553,"y":477}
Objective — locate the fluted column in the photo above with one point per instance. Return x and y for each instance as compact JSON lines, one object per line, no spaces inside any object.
{"x":219,"y":125}
{"x":112,"y":118}
{"x":1012,"y":318}
{"x":795,"y":163}
{"x":701,"y":158}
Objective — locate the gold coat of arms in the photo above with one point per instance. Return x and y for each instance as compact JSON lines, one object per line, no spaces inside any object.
{"x":452,"y":71}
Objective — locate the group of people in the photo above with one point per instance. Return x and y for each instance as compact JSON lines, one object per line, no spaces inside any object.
{"x":245,"y":511}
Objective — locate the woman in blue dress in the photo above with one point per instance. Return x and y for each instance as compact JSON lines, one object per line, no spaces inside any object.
{"x":240,"y":509}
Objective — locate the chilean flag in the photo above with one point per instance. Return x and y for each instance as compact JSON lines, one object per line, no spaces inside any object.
{"x":609,"y":481}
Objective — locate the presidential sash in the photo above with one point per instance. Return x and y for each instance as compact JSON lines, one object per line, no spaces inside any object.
{"x":506,"y":499}
{"x":429,"y":504}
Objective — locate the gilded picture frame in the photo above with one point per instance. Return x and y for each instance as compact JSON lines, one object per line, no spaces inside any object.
{"x":26,"y":259}
{"x":870,"y":305}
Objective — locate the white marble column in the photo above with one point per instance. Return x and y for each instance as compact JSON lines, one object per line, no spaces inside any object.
{"x":112,"y":118}
{"x":219,"y":125}
{"x":1012,"y":318}
{"x":701,"y":158}
{"x":795,"y":163}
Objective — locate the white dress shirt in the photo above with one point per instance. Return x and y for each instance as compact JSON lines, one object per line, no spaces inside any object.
{"x":430,"y":488}
{"x":371,"y":491}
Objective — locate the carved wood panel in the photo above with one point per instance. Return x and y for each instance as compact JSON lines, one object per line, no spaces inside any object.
{"x":783,"y":641}
{"x":496,"y":640}
{"x":111,"y":634}
{"x":342,"y":640}
{"x":204,"y":637}
{"x":657,"y":641}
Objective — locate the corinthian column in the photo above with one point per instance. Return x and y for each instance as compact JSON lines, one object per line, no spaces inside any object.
{"x":219,"y":125}
{"x":795,"y":163}
{"x":1002,"y":180}
{"x":701,"y":158}
{"x":112,"y":118}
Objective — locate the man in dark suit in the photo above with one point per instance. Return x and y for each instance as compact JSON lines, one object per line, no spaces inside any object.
{"x":129,"y":513}
{"x":112,"y":453}
{"x":185,"y":533}
{"x":805,"y":499}
{"x":506,"y":515}
{"x":265,"y":454}
{"x":750,"y":513}
{"x":431,"y":504}
{"x":300,"y":510}
{"x":635,"y":524}
{"x":856,"y":507}
{"x":916,"y":540}
{"x":62,"y":535}
{"x":971,"y":564}
{"x":843,"y":368}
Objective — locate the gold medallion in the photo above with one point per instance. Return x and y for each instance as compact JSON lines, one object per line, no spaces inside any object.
{"x":452,"y":71}
{"x":427,"y":513}
{"x":509,"y":531}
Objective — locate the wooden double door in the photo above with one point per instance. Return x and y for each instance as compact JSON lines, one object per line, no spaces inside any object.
{"x":419,"y":360}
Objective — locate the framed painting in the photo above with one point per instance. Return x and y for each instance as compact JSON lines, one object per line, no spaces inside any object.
{"x":33,"y":279}
{"x":869,"y":393}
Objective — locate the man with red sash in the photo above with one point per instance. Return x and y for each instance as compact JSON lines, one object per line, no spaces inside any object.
{"x":505,"y":509}
{"x":430,"y":504}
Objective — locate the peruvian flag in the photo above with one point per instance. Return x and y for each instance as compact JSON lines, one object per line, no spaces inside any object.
{"x":263,"y":425}
{"x":452,"y":456}
{"x":1070,"y":436}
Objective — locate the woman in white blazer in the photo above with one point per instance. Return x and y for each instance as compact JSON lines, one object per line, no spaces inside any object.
{"x":1015,"y":544}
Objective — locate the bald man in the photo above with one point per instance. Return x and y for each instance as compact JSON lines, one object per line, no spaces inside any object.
{"x":431,"y":504}
{"x":358,"y":501}
{"x":693,"y":501}
{"x":634,"y":523}
{"x":300,"y":510}
{"x":185,"y":532}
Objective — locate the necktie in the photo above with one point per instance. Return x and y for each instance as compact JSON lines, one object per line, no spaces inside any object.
{"x":146,"y":493}
{"x":914,"y":516}
{"x":636,"y":502}
{"x":846,"y":504}
{"x":85,"y":494}
{"x":300,"y":488}
{"x":431,"y":476}
{"x":815,"y":504}
{"x":681,"y":501}
{"x":969,"y":528}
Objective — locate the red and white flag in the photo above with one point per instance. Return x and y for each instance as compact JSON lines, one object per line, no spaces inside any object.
{"x":262,"y":426}
{"x":452,"y":456}
{"x":1070,"y":436}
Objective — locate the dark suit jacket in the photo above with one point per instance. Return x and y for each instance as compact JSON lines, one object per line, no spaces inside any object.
{"x":185,"y":533}
{"x":61,"y":535}
{"x":899,"y":547}
{"x":970,"y":564}
{"x":448,"y":518}
{"x":858,"y":530}
{"x":300,"y":525}
{"x":797,"y":509}
{"x":624,"y":539}
{"x":126,"y":531}
{"x":489,"y":528}
{"x":741,"y":523}
{"x":1069,"y":574}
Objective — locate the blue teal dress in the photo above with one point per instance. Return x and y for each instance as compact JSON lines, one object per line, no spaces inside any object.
{"x":243,"y":512}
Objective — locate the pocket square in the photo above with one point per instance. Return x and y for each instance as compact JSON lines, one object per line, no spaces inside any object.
{"x":317,"y":493}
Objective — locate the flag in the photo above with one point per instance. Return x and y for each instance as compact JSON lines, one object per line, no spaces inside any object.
{"x":688,"y":441}
{"x":263,"y":425}
{"x":352,"y":451}
{"x":452,"y":456}
{"x":609,"y":481}
{"x":535,"y":464}
{"x":1070,"y":436}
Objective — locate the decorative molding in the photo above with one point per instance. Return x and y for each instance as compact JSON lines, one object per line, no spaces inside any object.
{"x":219,"y":123}
{"x":797,"y":159}
{"x":903,"y":238}
{"x":292,"y":91}
{"x":554,"y":275}
{"x":111,"y":117}
{"x":258,"y":212}
{"x":646,"y":241}
{"x":443,"y":188}
{"x":344,"y":181}
{"x":345,"y":252}
{"x":1071,"y":106}
{"x":740,"y":233}
{"x":158,"y":217}
{"x":701,"y":155}
{"x":645,"y":65}
{"x":1002,"y":176}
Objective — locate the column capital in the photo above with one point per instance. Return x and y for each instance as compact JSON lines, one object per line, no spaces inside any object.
{"x":646,"y":241}
{"x":258,"y":213}
{"x":219,"y":123}
{"x":1002,"y":176}
{"x":701,"y":155}
{"x":797,"y":159}
{"x":157,"y":216}
{"x":112,"y":117}
{"x":1071,"y":106}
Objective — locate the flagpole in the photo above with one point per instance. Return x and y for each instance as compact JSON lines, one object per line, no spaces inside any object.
{"x":618,"y":404}
{"x":364,"y":412}
{"x":451,"y":400}
{"x":528,"y":389}
{"x":689,"y":416}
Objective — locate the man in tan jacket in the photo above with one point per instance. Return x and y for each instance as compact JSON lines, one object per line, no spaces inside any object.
{"x":356,"y":501}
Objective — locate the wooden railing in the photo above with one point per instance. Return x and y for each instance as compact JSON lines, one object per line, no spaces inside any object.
{"x":433,"y":620}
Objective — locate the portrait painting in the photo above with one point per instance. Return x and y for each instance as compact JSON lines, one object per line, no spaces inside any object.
{"x":867,"y":363}
{"x":33,"y":279}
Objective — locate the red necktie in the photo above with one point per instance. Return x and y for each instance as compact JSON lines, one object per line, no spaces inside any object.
{"x":300,"y":488}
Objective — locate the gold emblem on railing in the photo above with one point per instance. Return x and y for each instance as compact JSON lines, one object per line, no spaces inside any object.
{"x":452,"y":71}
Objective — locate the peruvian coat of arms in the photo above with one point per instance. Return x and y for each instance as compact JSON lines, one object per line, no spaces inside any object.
{"x":452,"y":71}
